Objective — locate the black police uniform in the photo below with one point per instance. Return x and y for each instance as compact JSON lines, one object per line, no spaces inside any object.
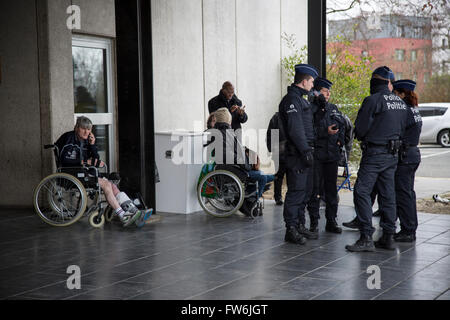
{"x":381,"y":122}
{"x":409,"y":161}
{"x":327,"y":153}
{"x":280,"y":165}
{"x":297,"y":118}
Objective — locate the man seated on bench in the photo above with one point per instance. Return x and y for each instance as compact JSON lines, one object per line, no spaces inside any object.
{"x":78,"y":147}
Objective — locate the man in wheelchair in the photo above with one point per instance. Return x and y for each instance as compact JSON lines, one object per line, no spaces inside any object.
{"x":77,"y":149}
{"x":230,"y":155}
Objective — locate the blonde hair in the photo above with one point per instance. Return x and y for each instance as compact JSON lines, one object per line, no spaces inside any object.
{"x":223,"y":115}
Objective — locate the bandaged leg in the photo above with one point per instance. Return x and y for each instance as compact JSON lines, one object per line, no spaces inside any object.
{"x":131,"y":213}
{"x":125,"y":202}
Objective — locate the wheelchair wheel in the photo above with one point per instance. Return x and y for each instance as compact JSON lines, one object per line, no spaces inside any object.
{"x":220,"y":193}
{"x":109,"y":214}
{"x":95,"y":220}
{"x":60,"y":199}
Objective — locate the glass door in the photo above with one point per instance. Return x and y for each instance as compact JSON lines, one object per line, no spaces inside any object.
{"x":94,"y":91}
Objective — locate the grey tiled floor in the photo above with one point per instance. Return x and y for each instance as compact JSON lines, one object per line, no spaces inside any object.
{"x":201,"y":257}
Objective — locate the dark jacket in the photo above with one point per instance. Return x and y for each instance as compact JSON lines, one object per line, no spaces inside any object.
{"x":410,"y":151}
{"x":72,"y":151}
{"x":326,"y":148}
{"x":275,"y":123}
{"x":381,"y":118}
{"x":230,"y":150}
{"x":297,"y":118}
{"x":221,"y":102}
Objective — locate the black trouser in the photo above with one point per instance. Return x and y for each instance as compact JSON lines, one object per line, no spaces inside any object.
{"x":406,"y":197}
{"x":325,"y":172}
{"x":299,"y":191}
{"x":278,"y":182}
{"x":376,"y":167}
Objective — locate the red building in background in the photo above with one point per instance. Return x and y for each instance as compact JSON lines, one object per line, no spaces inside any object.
{"x":402,"y":43}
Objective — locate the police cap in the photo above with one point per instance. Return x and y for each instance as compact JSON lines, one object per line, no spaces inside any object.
{"x":385,"y":73}
{"x":306,"y":69}
{"x":322,"y":83}
{"x":404,"y":84}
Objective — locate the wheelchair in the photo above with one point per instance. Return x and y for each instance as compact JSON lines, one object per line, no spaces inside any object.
{"x":63,"y":198}
{"x":225,"y":189}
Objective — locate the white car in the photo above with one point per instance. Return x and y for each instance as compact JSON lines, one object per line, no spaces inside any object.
{"x":436,"y":123}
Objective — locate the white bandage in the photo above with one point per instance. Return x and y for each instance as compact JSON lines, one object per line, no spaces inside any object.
{"x":125,"y":202}
{"x":122,"y":197}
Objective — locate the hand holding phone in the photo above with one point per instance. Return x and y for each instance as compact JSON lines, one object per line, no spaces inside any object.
{"x":91,"y":139}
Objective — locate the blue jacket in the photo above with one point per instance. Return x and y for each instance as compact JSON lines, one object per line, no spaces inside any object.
{"x":72,"y":150}
{"x":381,"y":118}
{"x":326,"y":145}
{"x":410,"y":151}
{"x":297,"y":117}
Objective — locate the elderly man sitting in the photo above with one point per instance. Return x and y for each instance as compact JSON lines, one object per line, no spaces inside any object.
{"x":78,"y":147}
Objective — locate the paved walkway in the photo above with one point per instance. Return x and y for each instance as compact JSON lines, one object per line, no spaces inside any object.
{"x":202,"y":257}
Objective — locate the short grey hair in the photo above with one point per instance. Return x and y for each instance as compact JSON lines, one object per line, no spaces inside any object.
{"x":84,"y":123}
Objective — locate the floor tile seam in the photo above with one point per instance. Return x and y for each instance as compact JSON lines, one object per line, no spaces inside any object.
{"x":309,"y":272}
{"x":258,"y":252}
{"x":216,"y":287}
{"x":410,"y":276}
{"x":234,"y":280}
{"x":243,"y":242}
{"x":46,"y":286}
{"x":232,"y":231}
{"x":138,"y":275}
{"x":442,"y":294}
{"x":157,"y":269}
{"x":128,"y":298}
{"x":347,"y":280}
{"x":244,"y":276}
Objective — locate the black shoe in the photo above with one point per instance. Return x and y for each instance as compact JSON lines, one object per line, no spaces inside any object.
{"x":305,"y":232}
{"x":385,"y":242}
{"x":377,"y":213}
{"x":363,"y":244}
{"x":314,"y":227}
{"x":404,"y":237}
{"x":293,"y":236}
{"x":279,"y":202}
{"x":354,"y":224}
{"x":332,"y":226}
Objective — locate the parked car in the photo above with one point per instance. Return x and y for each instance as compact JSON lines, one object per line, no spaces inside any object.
{"x":436,"y":123}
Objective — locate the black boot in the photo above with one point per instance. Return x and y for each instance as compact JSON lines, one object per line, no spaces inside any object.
{"x":404,"y":237}
{"x":314,"y":226}
{"x":279,"y":202}
{"x":354,"y":224}
{"x":306,"y":233}
{"x":293,"y":236}
{"x":377,"y":213}
{"x":364,"y":243}
{"x":332,"y":226}
{"x":385,"y":242}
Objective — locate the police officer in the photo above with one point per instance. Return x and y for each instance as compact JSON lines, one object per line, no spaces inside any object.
{"x":409,"y":161}
{"x":297,"y":119}
{"x":380,"y":125}
{"x":329,"y":126}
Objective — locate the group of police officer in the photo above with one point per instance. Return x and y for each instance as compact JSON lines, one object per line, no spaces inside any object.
{"x":388,"y":130}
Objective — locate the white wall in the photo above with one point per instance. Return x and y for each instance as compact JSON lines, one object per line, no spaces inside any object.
{"x":199,"y":44}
